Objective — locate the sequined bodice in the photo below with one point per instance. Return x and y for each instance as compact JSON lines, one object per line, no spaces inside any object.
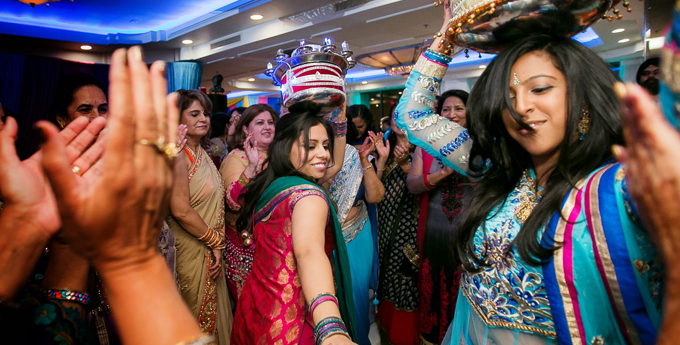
{"x":508,"y":293}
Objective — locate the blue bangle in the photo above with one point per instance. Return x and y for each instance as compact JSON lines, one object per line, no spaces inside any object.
{"x":437,"y":57}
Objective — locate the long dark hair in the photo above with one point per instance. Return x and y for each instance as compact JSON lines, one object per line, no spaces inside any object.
{"x":302,"y":117}
{"x":500,"y":160}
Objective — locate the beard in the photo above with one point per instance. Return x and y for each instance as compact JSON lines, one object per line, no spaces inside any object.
{"x":651,"y":85}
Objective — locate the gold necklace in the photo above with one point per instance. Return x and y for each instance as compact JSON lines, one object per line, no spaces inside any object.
{"x":529,"y":196}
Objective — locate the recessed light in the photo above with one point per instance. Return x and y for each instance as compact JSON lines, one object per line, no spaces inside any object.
{"x":256,"y":17}
{"x":618,"y":31}
{"x":482,"y":66}
{"x":86,"y":47}
{"x":400,"y":92}
{"x":364,"y":82}
{"x":251,"y":79}
{"x":625,"y":40}
{"x":187,"y":42}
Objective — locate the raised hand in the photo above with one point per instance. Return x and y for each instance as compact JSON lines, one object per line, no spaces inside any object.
{"x":181,"y":137}
{"x":136,"y":175}
{"x":251,"y":151}
{"x":652,"y":160}
{"x":401,"y":154}
{"x":382,"y":149}
{"x":366,"y":148}
{"x":30,"y":217}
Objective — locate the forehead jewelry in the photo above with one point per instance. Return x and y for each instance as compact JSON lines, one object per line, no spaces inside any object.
{"x":515,"y":79}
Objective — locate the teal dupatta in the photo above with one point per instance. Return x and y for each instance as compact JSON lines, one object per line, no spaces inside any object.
{"x":278,"y":191}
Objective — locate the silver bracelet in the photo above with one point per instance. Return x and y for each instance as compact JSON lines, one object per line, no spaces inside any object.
{"x":370,"y":165}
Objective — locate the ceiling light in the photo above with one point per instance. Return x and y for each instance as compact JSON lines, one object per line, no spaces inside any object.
{"x":482,"y":66}
{"x":372,"y":99}
{"x":400,"y":92}
{"x":256,"y":17}
{"x":86,"y":47}
{"x":187,"y":42}
{"x":364,"y":82}
{"x":625,"y":40}
{"x":617,"y":31}
{"x":656,"y":43}
{"x":251,"y":79}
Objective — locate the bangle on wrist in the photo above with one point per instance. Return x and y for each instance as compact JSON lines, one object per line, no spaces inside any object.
{"x":202,"y":339}
{"x":427,"y":182}
{"x":243,"y":179}
{"x":68,"y":295}
{"x":370,"y":165}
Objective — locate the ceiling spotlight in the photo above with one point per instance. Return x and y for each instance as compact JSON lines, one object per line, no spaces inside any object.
{"x":256,"y":17}
{"x":251,"y":79}
{"x":400,"y":92}
{"x":482,"y":66}
{"x":86,"y":47}
{"x":364,"y":82}
{"x":625,"y":40}
{"x":618,"y":31}
{"x":187,"y":42}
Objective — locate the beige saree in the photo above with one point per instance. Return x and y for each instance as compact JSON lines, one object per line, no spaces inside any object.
{"x":208,"y":299}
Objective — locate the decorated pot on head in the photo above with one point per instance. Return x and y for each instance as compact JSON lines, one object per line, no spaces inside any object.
{"x":312,"y":73}
{"x":487,"y":25}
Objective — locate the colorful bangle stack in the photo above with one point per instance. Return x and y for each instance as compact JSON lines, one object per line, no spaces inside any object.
{"x":213,"y":239}
{"x":339,"y":128}
{"x":321,"y":298}
{"x":68,"y":295}
{"x":437,"y":57}
{"x":328,"y":327}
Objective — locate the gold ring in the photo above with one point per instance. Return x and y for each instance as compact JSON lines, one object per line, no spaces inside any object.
{"x":171,"y":151}
{"x":76,"y":170}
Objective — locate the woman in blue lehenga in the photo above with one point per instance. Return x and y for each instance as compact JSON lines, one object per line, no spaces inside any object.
{"x":551,"y":245}
{"x":355,"y":190}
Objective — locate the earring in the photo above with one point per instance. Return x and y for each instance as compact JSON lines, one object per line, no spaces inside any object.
{"x":584,"y":124}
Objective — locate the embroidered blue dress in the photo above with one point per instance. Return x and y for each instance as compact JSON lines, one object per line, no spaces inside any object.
{"x":602,"y":285}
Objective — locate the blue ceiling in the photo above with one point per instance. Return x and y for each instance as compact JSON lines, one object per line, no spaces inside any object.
{"x":114,"y":21}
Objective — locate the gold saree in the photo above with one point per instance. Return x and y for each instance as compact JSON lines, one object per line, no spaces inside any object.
{"x":208,"y":299}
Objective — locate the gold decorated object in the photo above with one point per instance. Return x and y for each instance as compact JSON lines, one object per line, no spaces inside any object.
{"x":529,"y":196}
{"x":487,"y":25}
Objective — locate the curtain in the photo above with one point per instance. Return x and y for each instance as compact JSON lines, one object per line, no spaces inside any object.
{"x":11,"y":77}
{"x":184,"y":75}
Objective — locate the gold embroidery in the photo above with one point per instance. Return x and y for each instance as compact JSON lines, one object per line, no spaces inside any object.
{"x":281,"y":242}
{"x":411,"y":255}
{"x":296,"y":280}
{"x":621,"y":174}
{"x":481,"y":314}
{"x":292,"y":333}
{"x":287,"y":227}
{"x":284,"y":276}
{"x":279,"y":342}
{"x":276,"y":261}
{"x":608,"y":265}
{"x":243,"y":180}
{"x":429,"y":68}
{"x":301,"y":300}
{"x":569,"y":313}
{"x":208,"y":311}
{"x":291,"y":313}
{"x":287,"y":294}
{"x":641,"y":266}
{"x":262,"y":340}
{"x":276,"y":328}
{"x":276,"y":310}
{"x":290,"y":261}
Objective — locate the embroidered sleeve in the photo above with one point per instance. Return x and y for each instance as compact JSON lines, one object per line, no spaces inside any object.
{"x":628,"y":202}
{"x":234,"y":180}
{"x":441,"y":138}
{"x":55,"y":323}
{"x":297,"y":196}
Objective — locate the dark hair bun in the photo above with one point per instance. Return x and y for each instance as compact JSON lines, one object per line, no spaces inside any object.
{"x":305,"y":107}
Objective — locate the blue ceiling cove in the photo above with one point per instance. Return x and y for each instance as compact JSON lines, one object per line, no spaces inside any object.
{"x":113,"y":21}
